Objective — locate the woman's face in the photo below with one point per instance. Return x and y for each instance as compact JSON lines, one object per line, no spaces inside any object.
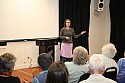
{"x":68,"y":23}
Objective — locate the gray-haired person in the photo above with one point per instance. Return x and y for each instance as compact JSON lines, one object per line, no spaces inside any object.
{"x":7,"y":62}
{"x":78,"y":66}
{"x":44,"y":60}
{"x":96,"y":69}
{"x":108,"y":52}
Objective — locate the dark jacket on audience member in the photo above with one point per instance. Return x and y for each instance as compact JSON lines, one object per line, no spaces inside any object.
{"x":9,"y":79}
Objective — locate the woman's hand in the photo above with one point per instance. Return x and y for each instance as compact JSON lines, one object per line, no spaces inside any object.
{"x":83,"y":32}
{"x":67,"y":38}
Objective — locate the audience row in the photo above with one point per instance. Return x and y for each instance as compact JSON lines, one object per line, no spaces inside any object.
{"x":97,"y":68}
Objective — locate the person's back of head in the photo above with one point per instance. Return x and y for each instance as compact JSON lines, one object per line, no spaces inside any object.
{"x":57,"y":73}
{"x":45,"y":60}
{"x":96,"y":64}
{"x":7,"y":62}
{"x":109,"y":50}
{"x":80,"y":55}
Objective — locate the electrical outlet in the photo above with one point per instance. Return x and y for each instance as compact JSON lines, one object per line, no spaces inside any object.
{"x":28,"y":57}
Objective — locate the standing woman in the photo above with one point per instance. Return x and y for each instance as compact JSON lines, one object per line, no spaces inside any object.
{"x":67,"y":34}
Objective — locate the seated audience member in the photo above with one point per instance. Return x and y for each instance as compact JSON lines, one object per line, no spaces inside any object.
{"x":44,"y":60}
{"x":7,"y":62}
{"x":78,"y":66}
{"x":121,"y":74}
{"x":57,"y":73}
{"x":108,"y":52}
{"x":96,"y":69}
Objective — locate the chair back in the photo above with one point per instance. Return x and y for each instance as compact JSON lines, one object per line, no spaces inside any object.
{"x":111,"y":73}
{"x":84,"y":77}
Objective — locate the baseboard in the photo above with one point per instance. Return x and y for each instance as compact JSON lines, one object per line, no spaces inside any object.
{"x":25,"y":66}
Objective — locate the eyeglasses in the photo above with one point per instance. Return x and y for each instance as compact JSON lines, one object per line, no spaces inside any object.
{"x":68,"y":22}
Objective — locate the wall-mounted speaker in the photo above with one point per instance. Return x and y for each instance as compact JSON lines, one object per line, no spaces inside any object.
{"x":98,"y":5}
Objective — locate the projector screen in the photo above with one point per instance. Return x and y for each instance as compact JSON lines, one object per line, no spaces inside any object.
{"x":29,"y":19}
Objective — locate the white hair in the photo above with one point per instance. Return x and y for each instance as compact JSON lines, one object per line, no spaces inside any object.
{"x":96,"y":62}
{"x":109,"y":50}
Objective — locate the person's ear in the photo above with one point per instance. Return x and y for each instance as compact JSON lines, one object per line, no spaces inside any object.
{"x":89,"y":68}
{"x":103,"y":70}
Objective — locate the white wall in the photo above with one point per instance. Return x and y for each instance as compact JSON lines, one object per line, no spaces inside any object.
{"x":98,"y":36}
{"x":99,"y":33}
{"x":22,"y":50}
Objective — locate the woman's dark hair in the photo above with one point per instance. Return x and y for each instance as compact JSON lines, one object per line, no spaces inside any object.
{"x":65,"y":22}
{"x":45,"y":60}
{"x":57,"y":73}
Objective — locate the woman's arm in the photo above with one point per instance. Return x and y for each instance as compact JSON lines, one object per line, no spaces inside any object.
{"x":76,"y":36}
{"x":61,"y":34}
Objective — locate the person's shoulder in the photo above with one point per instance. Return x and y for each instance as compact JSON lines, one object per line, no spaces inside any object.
{"x":13,"y":77}
{"x":68,"y":63}
{"x":109,"y":80}
{"x":84,"y":81}
{"x":121,"y":60}
{"x":112,"y":81}
{"x":85,"y":66}
{"x":71,"y":28}
{"x":43,"y":73}
{"x":113,"y":61}
{"x":63,"y":28}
